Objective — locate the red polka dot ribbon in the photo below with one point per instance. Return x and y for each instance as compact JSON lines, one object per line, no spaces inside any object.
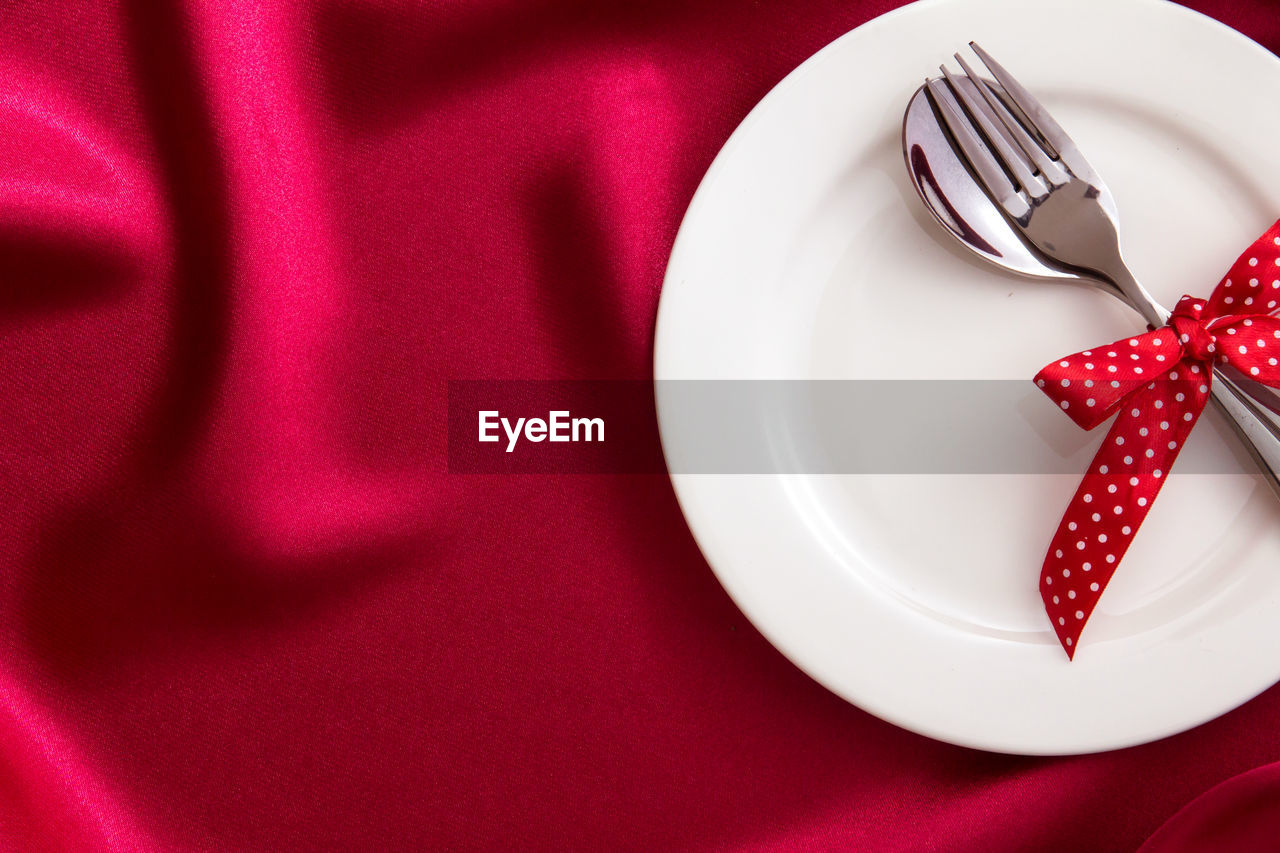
{"x":1156,"y":384}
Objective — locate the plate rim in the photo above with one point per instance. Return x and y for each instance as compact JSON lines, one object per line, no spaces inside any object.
{"x":680,"y":482}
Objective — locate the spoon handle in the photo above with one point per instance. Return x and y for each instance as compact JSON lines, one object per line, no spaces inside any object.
{"x":1257,"y":426}
{"x":1257,"y":423}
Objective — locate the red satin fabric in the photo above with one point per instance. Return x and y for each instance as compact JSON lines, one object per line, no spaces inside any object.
{"x":243,"y":248}
{"x":1240,"y":816}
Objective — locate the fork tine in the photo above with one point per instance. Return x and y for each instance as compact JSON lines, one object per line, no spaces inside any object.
{"x":1013,"y":159}
{"x":986,"y":167}
{"x":1038,"y":117}
{"x":1053,"y":173}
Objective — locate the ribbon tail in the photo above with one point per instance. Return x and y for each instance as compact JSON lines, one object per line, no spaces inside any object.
{"x":1115,"y":496}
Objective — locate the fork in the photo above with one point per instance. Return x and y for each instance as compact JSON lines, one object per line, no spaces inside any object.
{"x":1046,"y":188}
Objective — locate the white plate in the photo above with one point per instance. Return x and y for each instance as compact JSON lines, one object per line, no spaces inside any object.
{"x":806,"y":255}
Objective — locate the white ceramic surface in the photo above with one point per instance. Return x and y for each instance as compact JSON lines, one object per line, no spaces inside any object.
{"x":805,"y":254}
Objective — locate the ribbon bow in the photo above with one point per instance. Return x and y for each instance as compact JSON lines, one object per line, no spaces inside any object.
{"x":1156,"y":384}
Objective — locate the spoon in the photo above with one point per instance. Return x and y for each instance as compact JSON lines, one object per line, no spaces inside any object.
{"x":965,"y":211}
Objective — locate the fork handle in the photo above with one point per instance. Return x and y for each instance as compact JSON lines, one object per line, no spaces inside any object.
{"x":1252,"y":409}
{"x":1257,"y":426}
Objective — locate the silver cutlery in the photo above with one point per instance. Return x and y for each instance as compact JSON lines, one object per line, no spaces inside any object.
{"x":1005,"y":180}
